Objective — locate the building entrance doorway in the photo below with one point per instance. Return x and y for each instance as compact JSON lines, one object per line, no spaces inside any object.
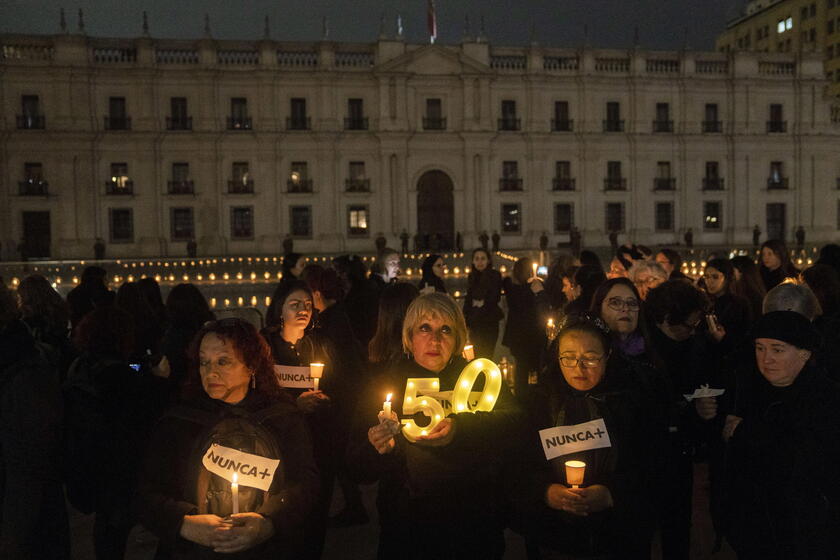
{"x":36,"y":235}
{"x":435,"y":212}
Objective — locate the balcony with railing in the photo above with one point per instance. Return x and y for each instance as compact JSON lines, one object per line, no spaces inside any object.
{"x":180,"y":187}
{"x":563,"y":184}
{"x":712,"y":126}
{"x":777,"y":183}
{"x":31,"y":122}
{"x":562,"y":125}
{"x":299,"y":185}
{"x":507,"y":184}
{"x":664,"y":184}
{"x":615,"y":184}
{"x":663,"y":126}
{"x":357,"y":185}
{"x":119,"y":187}
{"x":712,"y":183}
{"x":241,"y":187}
{"x":33,"y":187}
{"x":510,"y":123}
{"x":611,"y":125}
{"x":776,"y":126}
{"x":179,"y":123}
{"x":434,"y":123}
{"x":356,"y":123}
{"x":298,"y":123}
{"x":239,"y":123}
{"x":117,"y":123}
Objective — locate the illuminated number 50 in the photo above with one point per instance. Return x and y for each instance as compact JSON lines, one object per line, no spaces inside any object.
{"x":413,"y":403}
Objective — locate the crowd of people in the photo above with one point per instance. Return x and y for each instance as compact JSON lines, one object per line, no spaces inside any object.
{"x":218,"y":437}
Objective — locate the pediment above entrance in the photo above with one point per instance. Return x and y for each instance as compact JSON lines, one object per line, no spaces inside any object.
{"x":434,"y":60}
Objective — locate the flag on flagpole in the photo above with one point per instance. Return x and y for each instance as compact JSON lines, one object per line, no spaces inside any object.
{"x":431,"y":21}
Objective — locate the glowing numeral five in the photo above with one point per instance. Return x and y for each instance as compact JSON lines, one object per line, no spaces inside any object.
{"x":413,"y":403}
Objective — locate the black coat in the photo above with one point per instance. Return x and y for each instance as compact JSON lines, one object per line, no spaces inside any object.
{"x":451,"y":490}
{"x":629,"y":400}
{"x":486,"y":286}
{"x":784,"y":493}
{"x":33,"y":518}
{"x":171,"y":466}
{"x":525,"y":326}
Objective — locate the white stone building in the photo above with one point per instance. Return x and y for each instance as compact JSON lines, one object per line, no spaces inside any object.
{"x":147,"y":143}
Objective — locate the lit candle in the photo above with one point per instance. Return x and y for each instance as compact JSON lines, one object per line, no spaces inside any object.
{"x":316,"y":370}
{"x":574,"y":473}
{"x":386,"y":407}
{"x":534,"y":269}
{"x":469,"y":353}
{"x":234,"y":491}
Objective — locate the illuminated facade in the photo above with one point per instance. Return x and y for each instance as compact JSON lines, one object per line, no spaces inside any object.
{"x":148,"y":143}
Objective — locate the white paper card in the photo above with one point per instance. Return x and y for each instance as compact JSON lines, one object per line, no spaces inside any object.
{"x":445,"y":400}
{"x":293,"y":377}
{"x":702,"y":392}
{"x":252,"y":470}
{"x":563,"y":440}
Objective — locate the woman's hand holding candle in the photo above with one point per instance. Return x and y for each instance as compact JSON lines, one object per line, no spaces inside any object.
{"x":381,"y":436}
{"x":201,"y":529}
{"x":594,"y":498}
{"x":308,"y":401}
{"x":561,"y":498}
{"x":247,"y":531}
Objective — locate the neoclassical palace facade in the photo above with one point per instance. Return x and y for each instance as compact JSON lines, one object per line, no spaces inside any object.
{"x":149,"y":143}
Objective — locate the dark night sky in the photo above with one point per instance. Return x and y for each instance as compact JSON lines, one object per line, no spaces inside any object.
{"x":662,"y":23}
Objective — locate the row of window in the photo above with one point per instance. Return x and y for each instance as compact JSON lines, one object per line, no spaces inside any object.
{"x":182,"y":220}
{"x":239,"y":119}
{"x":120,"y":182}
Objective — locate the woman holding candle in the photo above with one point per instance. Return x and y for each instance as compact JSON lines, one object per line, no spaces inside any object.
{"x":481,"y":304}
{"x":608,"y":513}
{"x":439,"y":496}
{"x":231,"y":380}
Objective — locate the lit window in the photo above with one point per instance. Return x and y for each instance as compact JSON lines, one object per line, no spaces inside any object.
{"x":789,"y":23}
{"x":780,"y":27}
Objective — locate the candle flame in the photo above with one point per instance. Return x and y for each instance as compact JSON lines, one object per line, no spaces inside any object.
{"x":235,"y":478}
{"x":388,"y":398}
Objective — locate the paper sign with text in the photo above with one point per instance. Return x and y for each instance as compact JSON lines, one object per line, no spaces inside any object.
{"x":293,"y":377}
{"x":563,"y":440}
{"x":445,"y":399}
{"x":252,"y":470}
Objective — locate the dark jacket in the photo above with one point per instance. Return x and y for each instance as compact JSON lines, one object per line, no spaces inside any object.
{"x":487,"y":286}
{"x":773,"y":278}
{"x":784,"y":493}
{"x":451,"y":489}
{"x":33,"y":518}
{"x":172,"y":464}
{"x":628,"y":400}
{"x":525,"y":326}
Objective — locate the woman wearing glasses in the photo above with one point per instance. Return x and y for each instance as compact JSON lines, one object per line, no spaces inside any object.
{"x":618,"y":304}
{"x":610,"y":513}
{"x":231,"y":399}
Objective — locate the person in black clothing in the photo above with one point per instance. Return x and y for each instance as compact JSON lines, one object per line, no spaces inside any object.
{"x":673,"y":311}
{"x":385,"y":348}
{"x":293,"y":343}
{"x":481,"y":304}
{"x":586,"y":281}
{"x":48,"y":319}
{"x":147,"y":330}
{"x":291,"y":269}
{"x":732,"y":313}
{"x":748,"y":283}
{"x":830,"y":255}
{"x":232,"y":380}
{"x":110,"y":409}
{"x":151,"y":293}
{"x":361,"y":297}
{"x":590,"y":257}
{"x":91,"y":292}
{"x":775,"y":263}
{"x":33,"y":517}
{"x":618,"y":304}
{"x":333,"y":324}
{"x":671,"y":261}
{"x":386,"y":269}
{"x":432,"y":275}
{"x":440,"y":495}
{"x":186,"y":312}
{"x":609,"y":513}
{"x":525,"y":335}
{"x":784,"y":494}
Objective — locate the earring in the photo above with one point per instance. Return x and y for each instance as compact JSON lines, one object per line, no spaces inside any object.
{"x":253,"y":380}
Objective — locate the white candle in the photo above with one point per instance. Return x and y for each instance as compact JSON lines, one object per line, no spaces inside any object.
{"x":316,"y":370}
{"x":534,"y":269}
{"x":386,"y":407}
{"x":234,"y":490}
{"x":469,"y":352}
{"x":574,"y":473}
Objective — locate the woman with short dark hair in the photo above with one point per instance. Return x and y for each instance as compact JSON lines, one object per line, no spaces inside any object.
{"x":481,"y":304}
{"x":231,"y":391}
{"x":775,"y":263}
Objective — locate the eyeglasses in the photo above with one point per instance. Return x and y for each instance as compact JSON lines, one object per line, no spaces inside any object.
{"x":618,"y":304}
{"x":591,"y":362}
